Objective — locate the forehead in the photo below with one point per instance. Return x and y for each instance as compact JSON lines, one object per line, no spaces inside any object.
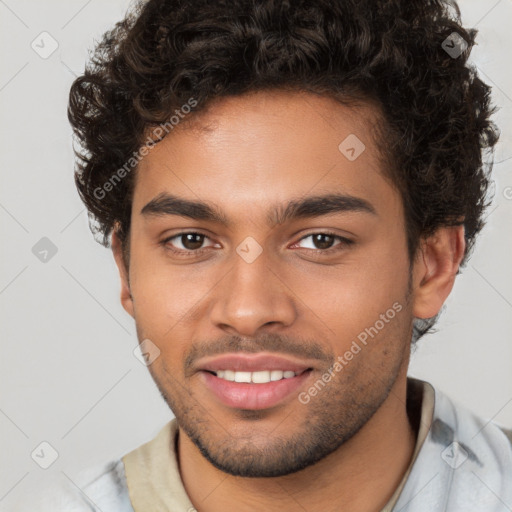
{"x":244,"y":152}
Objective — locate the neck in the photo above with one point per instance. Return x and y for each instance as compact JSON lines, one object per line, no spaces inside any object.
{"x":359,"y":476}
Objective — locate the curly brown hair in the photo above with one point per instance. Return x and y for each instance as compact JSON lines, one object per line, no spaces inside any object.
{"x":408,"y":56}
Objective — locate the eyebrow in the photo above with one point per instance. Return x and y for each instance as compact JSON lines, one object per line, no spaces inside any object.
{"x":307,"y":207}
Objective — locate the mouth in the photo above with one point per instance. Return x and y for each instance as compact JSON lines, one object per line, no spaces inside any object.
{"x":254,"y":381}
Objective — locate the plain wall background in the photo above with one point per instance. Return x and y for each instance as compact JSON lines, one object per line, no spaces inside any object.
{"x":68,"y":373}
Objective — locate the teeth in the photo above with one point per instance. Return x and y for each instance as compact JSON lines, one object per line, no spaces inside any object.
{"x":242,"y":376}
{"x":261,"y":377}
{"x":276,"y":375}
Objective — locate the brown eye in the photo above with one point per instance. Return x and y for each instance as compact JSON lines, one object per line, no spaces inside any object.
{"x":187,"y":242}
{"x":323,"y":240}
{"x":192,"y":241}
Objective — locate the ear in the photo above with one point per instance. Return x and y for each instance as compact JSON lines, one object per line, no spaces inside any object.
{"x":435,"y":267}
{"x":126,"y":297}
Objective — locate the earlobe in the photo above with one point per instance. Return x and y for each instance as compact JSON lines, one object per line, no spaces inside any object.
{"x":126,"y":297}
{"x":435,"y":268}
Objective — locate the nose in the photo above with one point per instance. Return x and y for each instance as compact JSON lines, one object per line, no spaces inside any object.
{"x":252,"y":297}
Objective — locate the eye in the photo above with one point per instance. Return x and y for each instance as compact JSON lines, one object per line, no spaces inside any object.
{"x":186,"y":242}
{"x":325,"y":242}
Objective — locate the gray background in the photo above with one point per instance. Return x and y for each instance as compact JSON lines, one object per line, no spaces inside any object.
{"x":68,"y":373}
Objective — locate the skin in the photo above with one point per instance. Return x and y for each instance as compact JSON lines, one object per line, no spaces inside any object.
{"x":245,"y":155}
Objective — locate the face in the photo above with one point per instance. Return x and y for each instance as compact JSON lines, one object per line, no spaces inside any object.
{"x":292,"y":266}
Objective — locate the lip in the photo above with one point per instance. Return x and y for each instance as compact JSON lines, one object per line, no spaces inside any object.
{"x":241,"y":395}
{"x":253,"y":363}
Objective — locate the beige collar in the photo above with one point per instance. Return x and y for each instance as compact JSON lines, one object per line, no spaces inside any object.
{"x":153,"y":477}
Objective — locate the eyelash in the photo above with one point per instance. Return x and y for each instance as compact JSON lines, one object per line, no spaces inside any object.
{"x":344,"y":242}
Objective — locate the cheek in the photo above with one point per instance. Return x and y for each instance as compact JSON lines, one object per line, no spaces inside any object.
{"x":166,"y":297}
{"x":364,"y":299}
{"x":355,"y":292}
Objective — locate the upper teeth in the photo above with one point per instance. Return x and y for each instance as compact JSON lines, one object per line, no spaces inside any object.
{"x":257,"y":377}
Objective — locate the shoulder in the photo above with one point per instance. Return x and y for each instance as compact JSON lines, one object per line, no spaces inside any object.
{"x":464,"y":463}
{"x":474,"y":455}
{"x":453,"y":421}
{"x":101,"y":488}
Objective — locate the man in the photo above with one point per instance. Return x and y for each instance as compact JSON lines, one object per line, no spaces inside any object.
{"x":289,"y":190}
